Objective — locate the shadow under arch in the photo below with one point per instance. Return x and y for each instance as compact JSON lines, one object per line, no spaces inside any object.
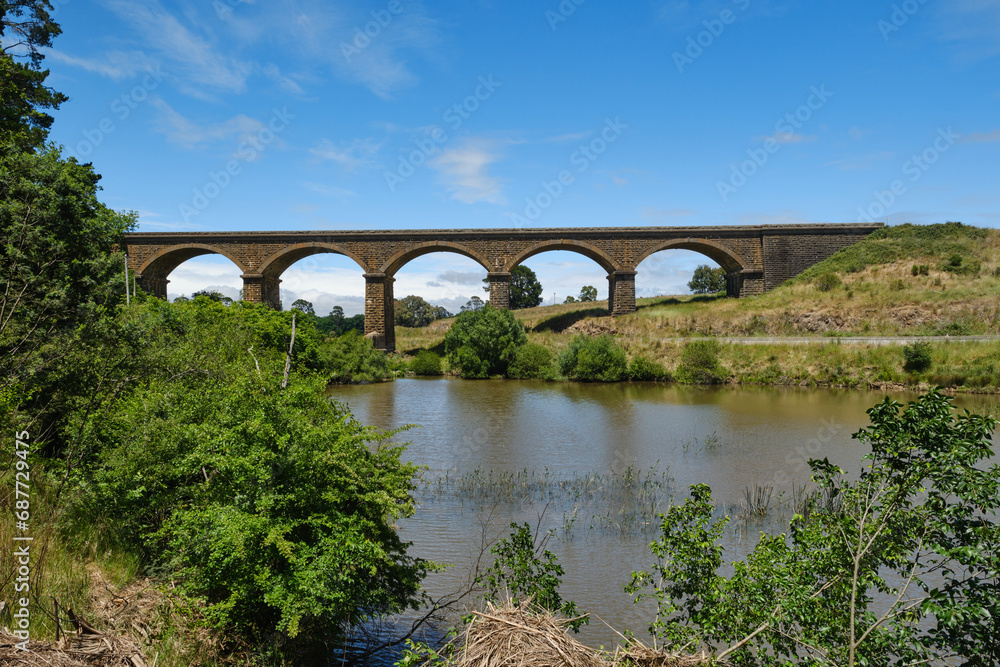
{"x":579,"y":247}
{"x":163,"y":263}
{"x":401,"y":258}
{"x":725,"y":257}
{"x":278,"y":263}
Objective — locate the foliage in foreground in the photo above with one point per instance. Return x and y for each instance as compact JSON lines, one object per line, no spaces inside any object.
{"x":700,"y":363}
{"x":483,"y":343}
{"x":903,"y":568}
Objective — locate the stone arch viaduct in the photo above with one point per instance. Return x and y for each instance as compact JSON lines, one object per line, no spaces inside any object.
{"x":755,"y":258}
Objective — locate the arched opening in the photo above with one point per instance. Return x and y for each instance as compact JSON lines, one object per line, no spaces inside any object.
{"x":442,"y":279}
{"x":326,"y":281}
{"x":565,"y":273}
{"x":669,"y":273}
{"x":206,"y":272}
{"x":404,"y":257}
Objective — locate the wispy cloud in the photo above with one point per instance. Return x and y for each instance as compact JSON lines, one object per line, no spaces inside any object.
{"x":862,"y":162}
{"x":461,"y":277}
{"x":784,"y":138}
{"x":192,"y":136}
{"x":116,"y":65}
{"x":199,"y":67}
{"x":359,"y":153}
{"x":982,"y":137}
{"x":973,"y":25}
{"x":463,"y":170}
{"x":328,"y":190}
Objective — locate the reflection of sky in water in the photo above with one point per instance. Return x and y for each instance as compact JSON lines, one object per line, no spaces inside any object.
{"x":728,"y":438}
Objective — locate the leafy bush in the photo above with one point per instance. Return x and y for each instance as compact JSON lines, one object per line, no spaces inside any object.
{"x":483,"y":343}
{"x":533,"y":362}
{"x":920,"y":270}
{"x":426,"y":363}
{"x":700,"y":363}
{"x":591,"y":359}
{"x":827,"y":282}
{"x":876,"y":568}
{"x":917,"y":357}
{"x":642,"y":369}
{"x":962,"y":265}
{"x":352,"y":358}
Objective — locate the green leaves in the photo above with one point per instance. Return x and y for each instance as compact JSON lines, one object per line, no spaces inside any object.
{"x":900,"y":565}
{"x":483,"y":343}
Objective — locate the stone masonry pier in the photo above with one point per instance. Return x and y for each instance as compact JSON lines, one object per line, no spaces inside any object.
{"x":756,"y":258}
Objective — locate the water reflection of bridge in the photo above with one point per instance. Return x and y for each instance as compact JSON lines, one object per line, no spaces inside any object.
{"x":755,"y":258}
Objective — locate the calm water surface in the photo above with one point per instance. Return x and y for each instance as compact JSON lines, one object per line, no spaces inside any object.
{"x":729,"y":438}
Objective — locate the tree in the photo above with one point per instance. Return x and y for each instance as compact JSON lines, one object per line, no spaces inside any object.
{"x":303,"y":305}
{"x":570,"y":299}
{"x":588,"y":293}
{"x":473,"y":304}
{"x":413,"y":311}
{"x":213,"y":295}
{"x":483,"y":343}
{"x":25,"y":28}
{"x":707,"y":280}
{"x":525,"y":290}
{"x":923,"y":510}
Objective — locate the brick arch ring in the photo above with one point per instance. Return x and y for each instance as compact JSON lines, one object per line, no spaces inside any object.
{"x":724,"y":256}
{"x":593,"y":252}
{"x":279,"y":262}
{"x":403,"y":257}
{"x":163,"y":263}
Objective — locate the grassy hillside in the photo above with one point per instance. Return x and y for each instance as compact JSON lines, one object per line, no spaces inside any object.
{"x":909,"y":280}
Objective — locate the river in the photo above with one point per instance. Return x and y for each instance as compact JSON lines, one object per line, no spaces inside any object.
{"x":593,"y":463}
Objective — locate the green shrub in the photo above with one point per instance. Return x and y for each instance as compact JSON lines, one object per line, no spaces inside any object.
{"x":352,"y":358}
{"x":700,"y":364}
{"x":483,"y":343}
{"x":533,"y":362}
{"x":962,"y":265}
{"x":920,"y":270}
{"x":827,"y":282}
{"x":642,"y":369}
{"x":917,"y":357}
{"x":590,"y":359}
{"x":426,"y":363}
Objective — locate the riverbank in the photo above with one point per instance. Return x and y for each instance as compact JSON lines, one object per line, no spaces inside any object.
{"x":936,"y":284}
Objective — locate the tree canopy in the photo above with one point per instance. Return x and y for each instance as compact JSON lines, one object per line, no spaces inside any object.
{"x":25,"y":27}
{"x":707,"y":280}
{"x":414,"y":311}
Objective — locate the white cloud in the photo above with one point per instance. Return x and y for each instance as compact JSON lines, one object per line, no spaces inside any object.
{"x":183,"y":132}
{"x":974,"y":25}
{"x":463,"y":170}
{"x":783,"y":138}
{"x":359,"y":153}
{"x":199,"y":68}
{"x":982,"y":137}
{"x":116,"y":65}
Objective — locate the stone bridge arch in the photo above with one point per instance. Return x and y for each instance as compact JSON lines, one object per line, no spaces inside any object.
{"x":738,"y":270}
{"x":266,"y":281}
{"x":153,"y":273}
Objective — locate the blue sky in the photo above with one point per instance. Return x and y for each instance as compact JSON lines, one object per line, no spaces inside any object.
{"x":309,"y":115}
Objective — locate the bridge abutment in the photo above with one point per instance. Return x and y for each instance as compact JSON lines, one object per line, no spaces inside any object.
{"x":621,"y":292}
{"x":500,"y":290}
{"x":380,"y":311}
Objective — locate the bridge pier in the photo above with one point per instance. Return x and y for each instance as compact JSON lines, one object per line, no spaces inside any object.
{"x":258,"y":288}
{"x":153,"y":285}
{"x":500,"y":290}
{"x":380,"y":311}
{"x":621,"y":292}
